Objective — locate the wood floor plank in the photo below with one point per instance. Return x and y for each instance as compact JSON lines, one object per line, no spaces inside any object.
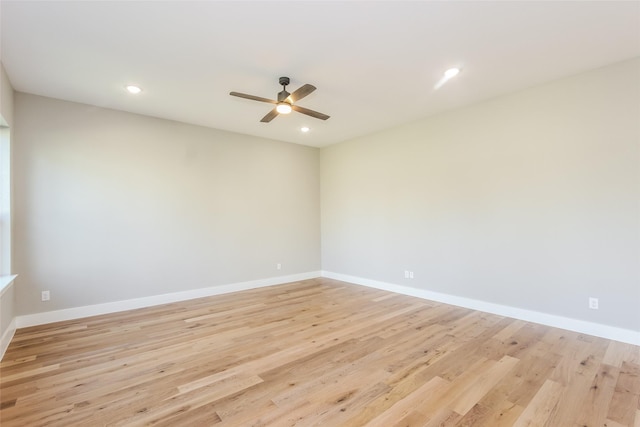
{"x":539,"y":411}
{"x":406,"y":405}
{"x":601,"y":390}
{"x":504,"y":414}
{"x":483,"y":384}
{"x":626,"y":395}
{"x":315,"y":353}
{"x":585,"y":365}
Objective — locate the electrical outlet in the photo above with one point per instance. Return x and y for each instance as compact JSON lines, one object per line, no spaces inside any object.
{"x":46,"y":296}
{"x":406,"y":274}
{"x":278,"y":266}
{"x":593,"y":303}
{"x":411,"y":275}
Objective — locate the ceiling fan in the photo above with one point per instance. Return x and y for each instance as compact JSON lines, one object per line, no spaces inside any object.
{"x":285,"y":102}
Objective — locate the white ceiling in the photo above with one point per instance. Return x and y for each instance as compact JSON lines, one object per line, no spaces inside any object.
{"x":374,"y":63}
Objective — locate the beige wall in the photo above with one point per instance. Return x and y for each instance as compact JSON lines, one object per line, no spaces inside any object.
{"x":112,"y":206}
{"x":528,"y":200}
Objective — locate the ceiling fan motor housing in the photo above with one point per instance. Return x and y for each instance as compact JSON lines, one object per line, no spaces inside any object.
{"x":284,"y":81}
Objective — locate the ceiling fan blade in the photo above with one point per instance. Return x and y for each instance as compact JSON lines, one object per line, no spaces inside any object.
{"x":301,"y":92}
{"x":310,"y":112}
{"x":252,"y":97}
{"x":270,"y":116}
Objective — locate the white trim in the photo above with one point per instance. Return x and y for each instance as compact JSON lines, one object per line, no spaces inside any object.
{"x":7,"y":337}
{"x":582,"y":326}
{"x":5,"y":283}
{"x":590,"y":328}
{"x":113,"y":307}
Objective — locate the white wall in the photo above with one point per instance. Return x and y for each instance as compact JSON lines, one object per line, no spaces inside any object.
{"x":111,"y":206}
{"x":7,"y":296}
{"x":529,"y":200}
{"x":6,"y":99}
{"x":7,"y":317}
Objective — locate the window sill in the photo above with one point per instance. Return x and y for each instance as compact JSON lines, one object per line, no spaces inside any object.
{"x":5,"y":283}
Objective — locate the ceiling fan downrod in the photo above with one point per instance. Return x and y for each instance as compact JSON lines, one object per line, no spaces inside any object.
{"x":282,"y":96}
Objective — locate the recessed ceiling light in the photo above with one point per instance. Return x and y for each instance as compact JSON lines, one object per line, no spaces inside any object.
{"x":304,"y":129}
{"x":451,"y":72}
{"x":134,"y":89}
{"x":448,"y":75}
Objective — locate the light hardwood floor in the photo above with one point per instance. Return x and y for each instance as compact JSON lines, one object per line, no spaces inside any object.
{"x":317,"y":352}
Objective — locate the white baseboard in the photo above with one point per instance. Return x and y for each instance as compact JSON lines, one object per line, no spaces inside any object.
{"x":6,"y":337}
{"x":113,"y":307}
{"x":589,"y":328}
{"x":584,"y":327}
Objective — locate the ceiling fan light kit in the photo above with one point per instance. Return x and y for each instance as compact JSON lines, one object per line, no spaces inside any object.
{"x":283,"y":108}
{"x":286,"y":101}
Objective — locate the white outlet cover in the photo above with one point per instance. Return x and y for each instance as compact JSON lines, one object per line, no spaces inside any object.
{"x":593,"y":303}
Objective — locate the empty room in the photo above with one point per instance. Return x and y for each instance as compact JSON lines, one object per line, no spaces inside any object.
{"x":320,"y":213}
